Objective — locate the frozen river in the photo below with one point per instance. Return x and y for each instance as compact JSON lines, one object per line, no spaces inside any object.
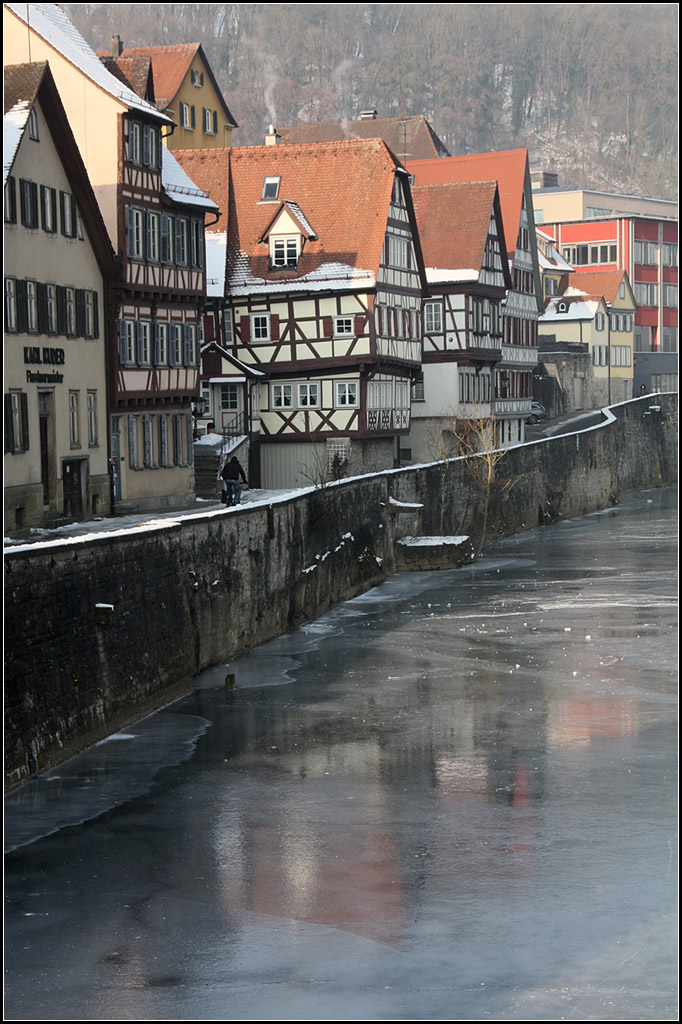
{"x":452,"y":798}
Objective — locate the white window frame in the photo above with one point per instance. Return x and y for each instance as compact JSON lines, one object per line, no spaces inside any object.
{"x":32,"y":125}
{"x":129,"y":342}
{"x":174,"y":345}
{"x":282,"y":396}
{"x":270,"y":191}
{"x":344,"y":326}
{"x":433,"y":312}
{"x":144,"y":342}
{"x":346,"y":394}
{"x":309,"y":395}
{"x":185,"y":115}
{"x":284,"y":251}
{"x":134,"y":142}
{"x":135,"y":233}
{"x":152,"y":237}
{"x":161,"y":354}
{"x":260,"y":327}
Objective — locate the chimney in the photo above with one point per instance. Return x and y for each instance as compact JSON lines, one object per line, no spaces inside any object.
{"x":115,"y":46}
{"x":272,"y":138}
{"x":368,"y":115}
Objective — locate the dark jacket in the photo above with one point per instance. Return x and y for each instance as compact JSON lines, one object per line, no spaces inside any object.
{"x":232,"y":470}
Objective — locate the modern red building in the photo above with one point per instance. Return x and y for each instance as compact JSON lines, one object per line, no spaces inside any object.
{"x":641,"y":237}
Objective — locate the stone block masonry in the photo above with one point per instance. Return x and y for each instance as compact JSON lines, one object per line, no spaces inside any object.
{"x":99,"y":632}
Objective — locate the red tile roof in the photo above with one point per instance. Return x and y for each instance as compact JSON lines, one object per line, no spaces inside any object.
{"x":595,"y":282}
{"x":408,"y":138}
{"x":508,"y":169}
{"x":343,"y":189}
{"x":453,"y":222}
{"x":135,"y":72}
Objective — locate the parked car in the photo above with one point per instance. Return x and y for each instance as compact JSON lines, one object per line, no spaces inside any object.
{"x":537,"y":413}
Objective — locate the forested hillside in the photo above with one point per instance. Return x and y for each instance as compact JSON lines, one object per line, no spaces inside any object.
{"x":590,"y":89}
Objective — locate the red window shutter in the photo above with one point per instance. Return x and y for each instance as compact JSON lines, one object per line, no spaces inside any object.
{"x":246,"y":330}
{"x":274,"y":326}
{"x":327,"y":327}
{"x":359,"y":325}
{"x":209,"y":327}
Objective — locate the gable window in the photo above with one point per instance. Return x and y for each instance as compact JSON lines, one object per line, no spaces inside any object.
{"x":10,"y":200}
{"x":187,"y":116}
{"x":28,"y":196}
{"x":309,"y":395}
{"x":67,"y":210}
{"x":48,"y":208}
{"x":344,"y":326}
{"x":196,"y":78}
{"x":398,"y":251}
{"x":433,"y":318}
{"x":599,"y":322}
{"x":271,"y":188}
{"x":346,"y":393}
{"x":284,"y":251}
{"x":33,"y":125}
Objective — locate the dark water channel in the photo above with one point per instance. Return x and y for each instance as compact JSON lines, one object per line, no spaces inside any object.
{"x":453,"y":798}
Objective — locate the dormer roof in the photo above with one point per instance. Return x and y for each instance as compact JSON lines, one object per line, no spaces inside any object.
{"x":295,"y":213}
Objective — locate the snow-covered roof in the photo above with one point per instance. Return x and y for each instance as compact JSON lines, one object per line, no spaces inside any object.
{"x":580,"y":307}
{"x":178,"y":185}
{"x":13,"y":125}
{"x":51,"y":24}
{"x":436,"y":276}
{"x":327,"y":277}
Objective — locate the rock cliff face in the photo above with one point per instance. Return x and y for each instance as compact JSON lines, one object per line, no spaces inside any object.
{"x":100,"y":632}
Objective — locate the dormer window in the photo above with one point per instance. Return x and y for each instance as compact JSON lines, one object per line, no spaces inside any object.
{"x":270,"y":189}
{"x":284,"y":252}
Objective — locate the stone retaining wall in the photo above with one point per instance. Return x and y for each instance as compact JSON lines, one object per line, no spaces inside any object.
{"x":97,"y":633}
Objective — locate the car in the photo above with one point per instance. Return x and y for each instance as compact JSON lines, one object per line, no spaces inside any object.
{"x":537,"y":413}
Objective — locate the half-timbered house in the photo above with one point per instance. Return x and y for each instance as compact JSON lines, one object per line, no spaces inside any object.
{"x":324,"y":283}
{"x":524,"y":303}
{"x":154,"y":216}
{"x":462,"y":238}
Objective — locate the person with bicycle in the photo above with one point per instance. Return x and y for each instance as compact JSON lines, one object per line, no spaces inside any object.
{"x":231,"y":473}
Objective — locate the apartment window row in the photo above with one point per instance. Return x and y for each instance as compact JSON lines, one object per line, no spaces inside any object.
{"x":519,"y":331}
{"x":584,"y":255}
{"x":646,"y":253}
{"x":475,"y":389}
{"x":514,"y":384}
{"x":621,"y":355}
{"x":160,"y":238}
{"x":33,"y":307}
{"x":663,"y":382}
{"x":620,"y":321}
{"x":387,"y":394}
{"x":646,"y":294}
{"x":600,"y":355}
{"x":160,"y":441}
{"x":397,"y":323}
{"x":484,"y":317}
{"x":40,"y":206}
{"x":522,"y":281}
{"x":154,"y":343}
{"x":144,"y":145}
{"x":307,"y":395}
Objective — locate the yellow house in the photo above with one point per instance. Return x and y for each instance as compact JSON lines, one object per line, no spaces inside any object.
{"x":597,"y":311}
{"x":185,"y":89}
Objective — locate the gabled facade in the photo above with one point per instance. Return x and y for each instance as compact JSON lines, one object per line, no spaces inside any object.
{"x":523,"y":304}
{"x":605,"y":231}
{"x":324,"y":282}
{"x":600,"y":317}
{"x":462,"y":237}
{"x":58,"y":271}
{"x":186,"y":90}
{"x":155,"y":219}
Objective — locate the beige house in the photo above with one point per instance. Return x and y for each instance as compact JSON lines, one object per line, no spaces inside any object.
{"x":58,"y":268}
{"x":154,"y":215}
